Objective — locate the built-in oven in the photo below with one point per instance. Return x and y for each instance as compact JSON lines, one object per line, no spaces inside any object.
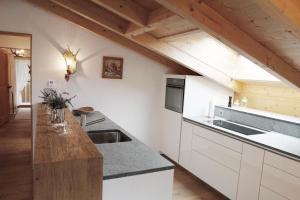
{"x":174,"y":94}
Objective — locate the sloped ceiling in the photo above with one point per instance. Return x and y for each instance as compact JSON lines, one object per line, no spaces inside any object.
{"x":248,"y":27}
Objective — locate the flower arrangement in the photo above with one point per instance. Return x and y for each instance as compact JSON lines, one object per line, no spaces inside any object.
{"x":56,"y":100}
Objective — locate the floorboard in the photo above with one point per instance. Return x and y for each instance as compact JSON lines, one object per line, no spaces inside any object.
{"x":15,"y":160}
{"x":188,"y":187}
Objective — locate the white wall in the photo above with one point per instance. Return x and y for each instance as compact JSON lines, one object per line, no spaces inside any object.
{"x":134,"y":102}
{"x":201,"y":94}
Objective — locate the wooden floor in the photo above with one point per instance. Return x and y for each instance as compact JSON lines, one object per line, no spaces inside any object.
{"x":15,"y":160}
{"x":188,"y":187}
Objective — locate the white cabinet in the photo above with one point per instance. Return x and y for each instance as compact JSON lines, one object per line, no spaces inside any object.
{"x":236,"y":169}
{"x":170,"y":139}
{"x":250,"y":173}
{"x":207,"y":155}
{"x":267,"y":194}
{"x":149,"y":186}
{"x":185,"y":145}
{"x":281,"y":175}
{"x":216,"y":175}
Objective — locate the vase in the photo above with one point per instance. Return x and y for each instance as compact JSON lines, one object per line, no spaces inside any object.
{"x":58,"y":118}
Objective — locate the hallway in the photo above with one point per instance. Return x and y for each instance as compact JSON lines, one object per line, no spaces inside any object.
{"x":15,"y":160}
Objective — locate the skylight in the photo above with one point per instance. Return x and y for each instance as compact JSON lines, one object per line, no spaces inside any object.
{"x":219,"y":56}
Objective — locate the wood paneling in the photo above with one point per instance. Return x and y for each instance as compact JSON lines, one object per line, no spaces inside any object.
{"x":157,"y":19}
{"x":129,"y":10}
{"x":98,"y":29}
{"x":273,"y":98}
{"x":274,"y":23}
{"x":211,"y":21}
{"x":96,"y":14}
{"x":4,"y":90}
{"x":176,"y":27}
{"x":184,"y":58}
{"x":148,"y":4}
{"x":65,"y":166}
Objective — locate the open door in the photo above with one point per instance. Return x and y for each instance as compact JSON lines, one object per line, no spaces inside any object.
{"x":4,"y":89}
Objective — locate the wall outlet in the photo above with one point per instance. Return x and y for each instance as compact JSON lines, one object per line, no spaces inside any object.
{"x":50,"y":83}
{"x":221,"y":113}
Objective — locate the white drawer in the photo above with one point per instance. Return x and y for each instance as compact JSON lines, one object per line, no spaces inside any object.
{"x":185,"y":145}
{"x":216,"y":175}
{"x":266,"y":194}
{"x":282,"y":182}
{"x":216,"y":152}
{"x":218,"y":138}
{"x":283,"y":163}
{"x":250,"y":172}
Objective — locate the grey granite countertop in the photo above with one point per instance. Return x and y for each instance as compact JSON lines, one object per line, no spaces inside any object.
{"x":125,"y":158}
{"x":276,"y":142}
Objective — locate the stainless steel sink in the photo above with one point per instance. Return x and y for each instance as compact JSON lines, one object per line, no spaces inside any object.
{"x":237,"y":128}
{"x":108,"y":136}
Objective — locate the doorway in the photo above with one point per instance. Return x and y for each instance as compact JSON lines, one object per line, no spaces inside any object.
{"x":16,"y":175}
{"x":15,"y":58}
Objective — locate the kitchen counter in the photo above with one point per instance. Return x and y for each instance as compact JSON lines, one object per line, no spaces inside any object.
{"x":276,"y":142}
{"x":66,"y":165}
{"x":125,"y":158}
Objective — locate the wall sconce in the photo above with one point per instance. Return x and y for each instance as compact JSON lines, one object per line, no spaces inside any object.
{"x":71,"y":61}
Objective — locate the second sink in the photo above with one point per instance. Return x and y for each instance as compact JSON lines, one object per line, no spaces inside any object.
{"x":108,"y":136}
{"x":238,"y":128}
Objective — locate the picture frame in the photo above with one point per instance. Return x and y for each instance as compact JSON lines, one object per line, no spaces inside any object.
{"x":112,"y":67}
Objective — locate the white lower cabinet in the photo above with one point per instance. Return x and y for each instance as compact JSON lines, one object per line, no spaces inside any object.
{"x":206,"y":155}
{"x":149,"y":186}
{"x":250,"y":172}
{"x":170,"y":138}
{"x":236,"y":169}
{"x":267,"y":194}
{"x":281,"y":175}
{"x":185,"y":145}
{"x":216,"y":175}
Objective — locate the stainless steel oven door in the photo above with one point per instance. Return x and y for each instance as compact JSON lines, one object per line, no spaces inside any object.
{"x":174,"y":98}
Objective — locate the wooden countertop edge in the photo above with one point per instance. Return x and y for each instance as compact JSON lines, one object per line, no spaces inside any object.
{"x":91,"y":151}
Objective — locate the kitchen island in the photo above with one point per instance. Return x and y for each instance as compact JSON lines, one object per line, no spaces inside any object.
{"x":66,"y":165}
{"x":131,"y":170}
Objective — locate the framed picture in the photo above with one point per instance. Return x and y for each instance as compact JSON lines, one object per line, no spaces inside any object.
{"x":112,"y":67}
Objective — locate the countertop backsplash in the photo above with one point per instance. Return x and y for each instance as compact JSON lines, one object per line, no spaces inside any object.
{"x":265,"y":122}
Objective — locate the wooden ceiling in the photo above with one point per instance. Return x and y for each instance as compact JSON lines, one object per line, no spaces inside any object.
{"x":263,"y":30}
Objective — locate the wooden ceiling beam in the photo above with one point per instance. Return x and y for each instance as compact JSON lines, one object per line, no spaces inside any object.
{"x":154,"y":46}
{"x":95,"y":13}
{"x":157,"y":18}
{"x":128,"y":9}
{"x":172,"y":53}
{"x":212,"y":22}
{"x":185,"y":59}
{"x":100,"y":30}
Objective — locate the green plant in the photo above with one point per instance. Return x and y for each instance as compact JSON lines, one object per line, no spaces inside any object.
{"x":47,"y":93}
{"x":56,"y":100}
